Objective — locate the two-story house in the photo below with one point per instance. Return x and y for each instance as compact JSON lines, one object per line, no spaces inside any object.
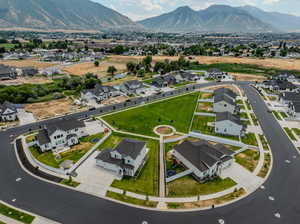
{"x":164,"y":81}
{"x":60,"y":134}
{"x":126,"y":159}
{"x":9,"y":111}
{"x":217,"y":74}
{"x":183,"y":76}
{"x":99,"y":93}
{"x":224,"y":103}
{"x":204,"y":159}
{"x":288,"y":97}
{"x":229,"y":124}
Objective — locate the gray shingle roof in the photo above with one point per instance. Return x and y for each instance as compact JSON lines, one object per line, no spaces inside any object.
{"x":223,"y":91}
{"x":42,"y":137}
{"x":201,"y":154}
{"x":130,"y":147}
{"x":64,"y":125}
{"x":105,"y":156}
{"x":228,"y":116}
{"x":223,"y":97}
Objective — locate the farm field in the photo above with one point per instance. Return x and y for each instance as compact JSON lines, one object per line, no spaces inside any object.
{"x":142,"y":120}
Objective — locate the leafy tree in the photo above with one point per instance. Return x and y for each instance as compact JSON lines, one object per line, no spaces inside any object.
{"x":111,"y":70}
{"x":96,"y":63}
{"x":130,"y":66}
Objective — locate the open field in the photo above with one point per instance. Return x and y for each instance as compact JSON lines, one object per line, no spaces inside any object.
{"x":27,"y":63}
{"x":177,"y":112}
{"x":248,"y":77}
{"x":51,"y":108}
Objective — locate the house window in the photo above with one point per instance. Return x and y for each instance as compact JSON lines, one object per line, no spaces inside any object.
{"x":225,"y":130}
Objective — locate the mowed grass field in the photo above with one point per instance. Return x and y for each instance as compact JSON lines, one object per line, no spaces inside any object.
{"x":177,"y":112}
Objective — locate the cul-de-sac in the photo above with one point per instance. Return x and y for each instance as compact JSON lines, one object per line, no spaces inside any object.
{"x":161,"y":115}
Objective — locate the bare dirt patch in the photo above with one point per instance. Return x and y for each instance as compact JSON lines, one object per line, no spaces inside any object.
{"x":51,"y":108}
{"x":164,"y":130}
{"x":204,"y":107}
{"x":118,"y":99}
{"x":26,"y":80}
{"x":248,"y":77}
{"x":288,"y":64}
{"x":27,"y":63}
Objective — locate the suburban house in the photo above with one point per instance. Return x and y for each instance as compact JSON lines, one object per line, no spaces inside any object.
{"x":7,"y":72}
{"x":99,"y":93}
{"x":224,"y":103}
{"x":9,"y":111}
{"x":204,"y":159}
{"x":280,"y":86}
{"x":132,"y":87}
{"x":226,"y":91}
{"x":288,"y":97}
{"x":164,"y":81}
{"x":284,"y":76}
{"x":183,"y":76}
{"x":29,"y":71}
{"x":216,"y":74}
{"x":60,"y":134}
{"x":229,"y":124}
{"x":126,"y":159}
{"x":294,"y":109}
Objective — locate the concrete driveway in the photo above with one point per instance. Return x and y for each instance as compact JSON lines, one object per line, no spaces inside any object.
{"x":244,"y":178}
{"x":25,"y":118}
{"x":93,"y":179}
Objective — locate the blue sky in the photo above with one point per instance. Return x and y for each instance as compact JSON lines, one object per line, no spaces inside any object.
{"x":140,"y":9}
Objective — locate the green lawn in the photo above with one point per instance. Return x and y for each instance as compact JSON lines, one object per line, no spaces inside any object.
{"x":7,"y":46}
{"x":297,"y":131}
{"x":15,"y":214}
{"x":276,"y":114}
{"x":180,"y":84}
{"x":187,"y":186}
{"x":254,"y":119}
{"x":70,"y":183}
{"x":147,"y":181}
{"x":290,"y":134}
{"x":92,"y":138}
{"x":177,"y":112}
{"x":30,"y":138}
{"x":131,"y":200}
{"x":248,"y":159}
{"x":244,"y":115}
{"x":250,"y":139}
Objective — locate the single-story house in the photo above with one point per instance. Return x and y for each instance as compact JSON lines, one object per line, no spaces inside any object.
{"x":224,"y":103}
{"x":131,"y":87}
{"x":229,"y":124}
{"x":60,"y":134}
{"x":29,"y":71}
{"x":164,"y":81}
{"x":126,"y":159}
{"x":7,"y":72}
{"x":204,"y":159}
{"x":216,"y":74}
{"x":99,"y":93}
{"x":284,"y":76}
{"x":183,"y":76}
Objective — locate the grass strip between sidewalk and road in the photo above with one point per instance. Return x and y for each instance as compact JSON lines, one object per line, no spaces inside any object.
{"x":290,"y":134}
{"x":15,"y":214}
{"x":131,"y":200}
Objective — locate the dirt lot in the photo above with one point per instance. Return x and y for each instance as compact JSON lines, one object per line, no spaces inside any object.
{"x":51,"y":108}
{"x":288,"y":64}
{"x":224,"y":86}
{"x":118,"y":99}
{"x":26,"y":80}
{"x":118,"y":61}
{"x":27,"y":63}
{"x":248,"y":77}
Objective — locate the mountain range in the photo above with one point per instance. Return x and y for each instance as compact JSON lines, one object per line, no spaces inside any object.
{"x":222,"y":18}
{"x":62,"y":14}
{"x":88,"y":15}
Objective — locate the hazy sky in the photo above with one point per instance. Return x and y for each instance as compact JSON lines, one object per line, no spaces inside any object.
{"x":140,"y":9}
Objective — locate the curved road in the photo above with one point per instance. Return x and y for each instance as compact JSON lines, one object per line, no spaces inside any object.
{"x":72,"y":207}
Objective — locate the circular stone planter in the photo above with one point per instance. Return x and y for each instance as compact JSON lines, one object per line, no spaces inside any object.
{"x":164,"y":130}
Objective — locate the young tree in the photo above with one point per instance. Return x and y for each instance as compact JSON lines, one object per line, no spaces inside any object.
{"x":111,"y":70}
{"x":130,"y":66}
{"x":147,"y":62}
{"x":96,"y":63}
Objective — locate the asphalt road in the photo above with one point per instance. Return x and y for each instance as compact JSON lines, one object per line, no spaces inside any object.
{"x":72,"y":207}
